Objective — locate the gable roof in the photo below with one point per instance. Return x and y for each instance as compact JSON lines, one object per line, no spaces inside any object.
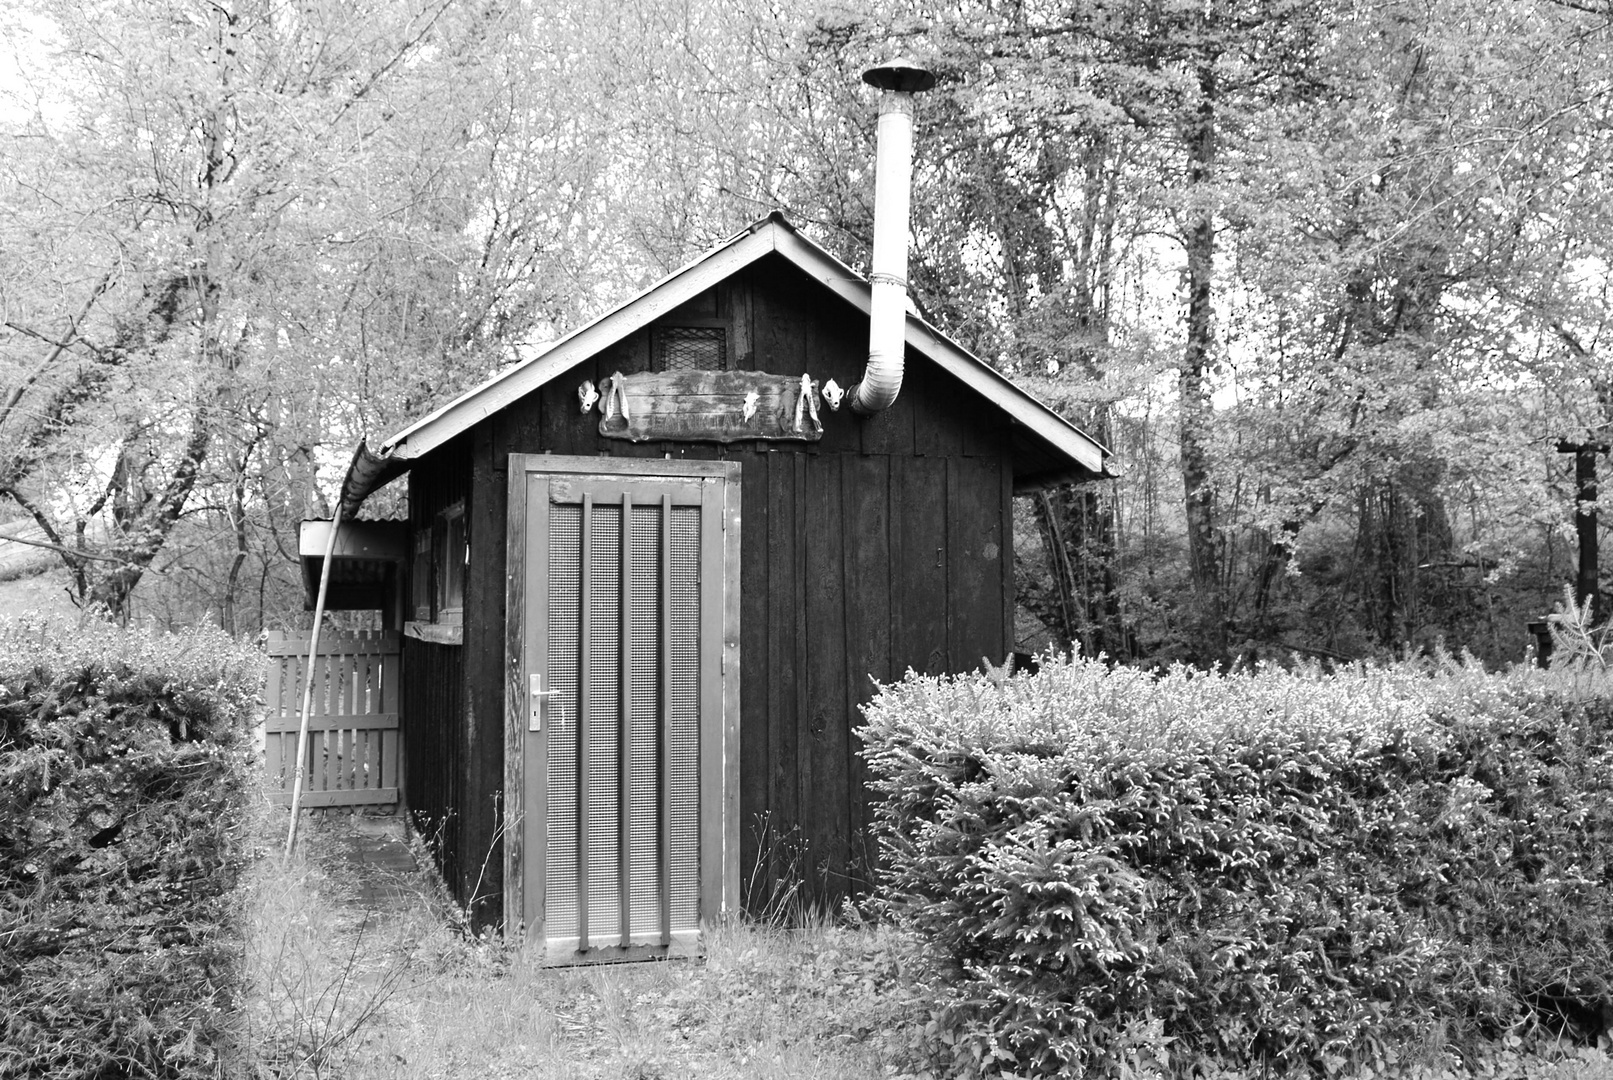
{"x":1047,"y":448}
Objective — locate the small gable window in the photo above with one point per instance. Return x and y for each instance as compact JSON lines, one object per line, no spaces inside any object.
{"x":689,"y":348}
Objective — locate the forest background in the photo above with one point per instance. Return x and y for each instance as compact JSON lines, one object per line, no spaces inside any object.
{"x":1331,"y":278}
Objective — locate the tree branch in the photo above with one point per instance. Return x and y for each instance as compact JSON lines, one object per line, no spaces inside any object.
{"x":59,"y":346}
{"x":62,"y":549}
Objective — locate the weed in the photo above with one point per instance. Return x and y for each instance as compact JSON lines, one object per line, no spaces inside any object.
{"x":775,"y":891}
{"x":318,"y":974}
{"x":413,"y":994}
{"x":1579,"y":646}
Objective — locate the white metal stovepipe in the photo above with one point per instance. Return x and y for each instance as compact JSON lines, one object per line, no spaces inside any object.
{"x":898,"y":80}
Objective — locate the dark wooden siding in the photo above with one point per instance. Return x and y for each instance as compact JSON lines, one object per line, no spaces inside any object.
{"x":481,"y":886}
{"x":438,"y":743}
{"x":884,"y":547}
{"x":433,"y":735}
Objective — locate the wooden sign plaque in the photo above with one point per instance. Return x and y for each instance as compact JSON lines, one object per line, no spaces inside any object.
{"x":709,"y":406}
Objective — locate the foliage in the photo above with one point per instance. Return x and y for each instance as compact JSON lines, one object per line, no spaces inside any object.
{"x":122,"y":775}
{"x":1334,"y":407}
{"x":1273,"y":869}
{"x":1329,"y":279}
{"x":241,"y":236}
{"x":1578,"y":643}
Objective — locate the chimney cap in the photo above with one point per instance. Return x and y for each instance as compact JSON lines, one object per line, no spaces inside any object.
{"x":901,"y":74}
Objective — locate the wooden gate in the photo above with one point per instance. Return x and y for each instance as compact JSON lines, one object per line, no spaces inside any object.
{"x":352,"y":724}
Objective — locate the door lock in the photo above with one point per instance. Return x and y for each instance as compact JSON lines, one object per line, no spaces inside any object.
{"x":538,"y":696}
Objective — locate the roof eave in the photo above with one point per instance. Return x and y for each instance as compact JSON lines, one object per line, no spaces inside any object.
{"x":1031,"y":483}
{"x":371,"y":469}
{"x":507,"y":387}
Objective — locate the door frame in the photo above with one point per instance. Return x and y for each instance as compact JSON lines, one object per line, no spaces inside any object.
{"x":719,"y":745}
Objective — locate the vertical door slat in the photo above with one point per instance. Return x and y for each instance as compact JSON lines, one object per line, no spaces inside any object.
{"x":664,"y":757}
{"x":624,"y":879}
{"x":583,"y":699}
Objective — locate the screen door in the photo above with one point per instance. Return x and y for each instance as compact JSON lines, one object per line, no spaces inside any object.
{"x":629,"y":634}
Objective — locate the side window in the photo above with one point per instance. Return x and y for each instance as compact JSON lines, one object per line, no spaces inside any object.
{"x":452,"y":553}
{"x":420,"y":578}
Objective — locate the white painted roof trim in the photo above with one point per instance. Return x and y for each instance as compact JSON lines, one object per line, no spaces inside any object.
{"x":683,"y":285}
{"x":507,"y":387}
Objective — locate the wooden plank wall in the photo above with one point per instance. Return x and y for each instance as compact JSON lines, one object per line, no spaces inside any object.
{"x":481,"y":884}
{"x":863,"y":566}
{"x":433,"y":737}
{"x":433,"y":703}
{"x":886,"y":546}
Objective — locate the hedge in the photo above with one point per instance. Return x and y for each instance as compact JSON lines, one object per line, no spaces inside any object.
{"x":1294,"y":871}
{"x":122,"y":779}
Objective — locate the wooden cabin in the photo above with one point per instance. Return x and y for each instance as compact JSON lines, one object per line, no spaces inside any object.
{"x":652,"y":576}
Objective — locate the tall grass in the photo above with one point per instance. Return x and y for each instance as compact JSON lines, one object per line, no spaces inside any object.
{"x":335,"y":991}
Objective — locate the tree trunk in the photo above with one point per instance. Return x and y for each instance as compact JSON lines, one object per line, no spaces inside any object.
{"x":1587,"y":577}
{"x":1587,"y":583}
{"x":1058,"y":566}
{"x":1203,"y":547}
{"x":238,"y":526}
{"x":144,"y":519}
{"x":1078,"y":535}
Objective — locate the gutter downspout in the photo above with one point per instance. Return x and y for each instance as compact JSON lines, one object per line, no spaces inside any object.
{"x":899,"y":80}
{"x":359,"y":481}
{"x":308,"y":683}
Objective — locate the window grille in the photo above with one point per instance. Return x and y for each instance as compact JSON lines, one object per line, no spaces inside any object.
{"x":691,"y":348}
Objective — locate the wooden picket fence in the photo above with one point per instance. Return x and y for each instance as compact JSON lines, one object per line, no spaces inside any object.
{"x":353,"y":723}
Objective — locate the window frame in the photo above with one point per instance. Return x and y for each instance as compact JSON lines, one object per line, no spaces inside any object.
{"x":422,"y":589}
{"x":447,"y":553}
{"x":724,"y":340}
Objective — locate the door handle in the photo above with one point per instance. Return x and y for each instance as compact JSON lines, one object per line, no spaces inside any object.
{"x":537,"y":696}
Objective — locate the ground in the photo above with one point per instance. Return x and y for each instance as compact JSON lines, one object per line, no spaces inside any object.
{"x":44,"y":592}
{"x":361,"y":968}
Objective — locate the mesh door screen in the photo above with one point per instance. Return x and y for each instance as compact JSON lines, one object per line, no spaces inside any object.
{"x":623,"y":738}
{"x":565,"y":585}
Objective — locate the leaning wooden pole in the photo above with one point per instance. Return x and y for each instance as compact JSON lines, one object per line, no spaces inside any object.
{"x":308,"y":682}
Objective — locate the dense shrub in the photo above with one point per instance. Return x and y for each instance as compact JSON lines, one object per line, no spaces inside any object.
{"x":122,"y":778}
{"x":1290,"y":870}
